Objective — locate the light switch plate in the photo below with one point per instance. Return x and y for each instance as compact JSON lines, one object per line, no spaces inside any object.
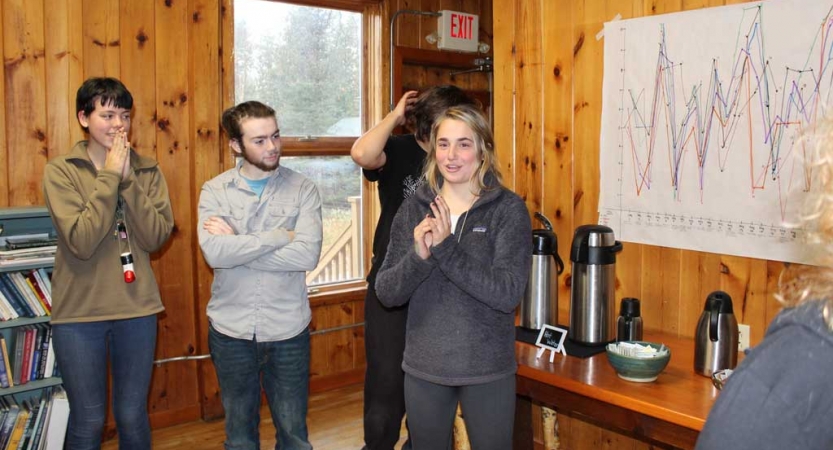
{"x":743,"y":337}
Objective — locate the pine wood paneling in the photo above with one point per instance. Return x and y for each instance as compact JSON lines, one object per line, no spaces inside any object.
{"x":207,"y":161}
{"x":25,"y":96}
{"x":138,"y":71}
{"x":101,"y":38}
{"x":503,"y":107}
{"x":587,"y":95}
{"x":528,"y":120}
{"x":176,"y":58}
{"x":60,"y":113}
{"x":175,"y":385}
{"x":671,"y":283}
{"x":556,"y":74}
{"x":75,"y":46}
{"x":407,"y":25}
{"x":4,"y":150}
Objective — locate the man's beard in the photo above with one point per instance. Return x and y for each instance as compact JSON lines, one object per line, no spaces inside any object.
{"x":260,"y":164}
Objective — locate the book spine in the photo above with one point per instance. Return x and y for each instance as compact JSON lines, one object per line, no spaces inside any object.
{"x":33,"y":284}
{"x":46,"y":280}
{"x":31,"y":244}
{"x":27,"y":355}
{"x":49,"y":370}
{"x":10,"y":292}
{"x":19,"y":338}
{"x":44,"y":351}
{"x":28,"y":427}
{"x":19,"y":426}
{"x":22,"y":286}
{"x":5,"y":349}
{"x":8,"y":312}
{"x":35,"y":277}
{"x":37,"y":432}
{"x":8,"y":426}
{"x":38,"y":341}
{"x":4,"y":375}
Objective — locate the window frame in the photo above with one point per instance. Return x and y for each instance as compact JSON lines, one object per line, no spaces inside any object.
{"x":294,"y":146}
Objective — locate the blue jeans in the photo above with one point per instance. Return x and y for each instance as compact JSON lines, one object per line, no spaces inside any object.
{"x":284,"y":368}
{"x":81,"y":350}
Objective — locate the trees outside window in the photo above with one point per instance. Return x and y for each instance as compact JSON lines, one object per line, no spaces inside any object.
{"x":306,"y":63}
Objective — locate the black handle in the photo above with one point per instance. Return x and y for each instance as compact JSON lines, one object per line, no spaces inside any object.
{"x":544,"y":220}
{"x":559,"y":264}
{"x":714,"y":317}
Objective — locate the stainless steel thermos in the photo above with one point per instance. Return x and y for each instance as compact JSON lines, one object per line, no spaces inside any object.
{"x":540,"y":303}
{"x":716,"y":340}
{"x":592,"y":308}
{"x":629,"y":323}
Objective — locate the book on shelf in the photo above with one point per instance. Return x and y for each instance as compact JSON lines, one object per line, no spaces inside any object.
{"x":10,"y":292}
{"x":29,"y":425}
{"x":7,"y":427}
{"x":40,"y":423}
{"x":38,"y":287}
{"x":44,"y":351}
{"x":28,"y":294}
{"x":19,"y":426}
{"x":30,"y":241}
{"x":36,"y":349}
{"x":46,"y":281}
{"x":6,"y":309}
{"x":28,"y":345}
{"x":5,"y":379}
{"x":17,"y":360}
{"x":49,"y":367}
{"x":28,"y":255}
{"x":58,"y":418}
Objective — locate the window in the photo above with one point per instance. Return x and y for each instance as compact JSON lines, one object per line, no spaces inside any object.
{"x":306,"y":63}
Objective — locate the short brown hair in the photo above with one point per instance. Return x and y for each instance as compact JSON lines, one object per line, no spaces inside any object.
{"x":233,"y":117}
{"x":430,"y":104}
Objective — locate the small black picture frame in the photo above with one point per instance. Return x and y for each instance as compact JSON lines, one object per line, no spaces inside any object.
{"x":551,"y":338}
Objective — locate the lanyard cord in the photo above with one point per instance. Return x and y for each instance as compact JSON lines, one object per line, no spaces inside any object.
{"x":466,"y":216}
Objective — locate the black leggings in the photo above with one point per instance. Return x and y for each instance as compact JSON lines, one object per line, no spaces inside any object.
{"x":488,"y":410}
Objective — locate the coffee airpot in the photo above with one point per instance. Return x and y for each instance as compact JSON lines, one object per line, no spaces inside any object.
{"x":540,"y":303}
{"x":593,"y":286}
{"x":716,"y":339}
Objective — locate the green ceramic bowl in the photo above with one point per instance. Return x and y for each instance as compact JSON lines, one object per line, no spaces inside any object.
{"x":641,"y":370}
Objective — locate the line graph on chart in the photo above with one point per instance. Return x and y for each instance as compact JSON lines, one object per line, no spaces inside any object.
{"x":707,"y":123}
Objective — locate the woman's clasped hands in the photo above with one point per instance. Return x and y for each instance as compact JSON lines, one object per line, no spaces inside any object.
{"x":433,"y":229}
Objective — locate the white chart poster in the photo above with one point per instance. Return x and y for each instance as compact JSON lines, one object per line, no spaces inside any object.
{"x":701,"y":118}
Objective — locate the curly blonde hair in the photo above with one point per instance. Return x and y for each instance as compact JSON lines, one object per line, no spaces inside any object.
{"x":799,"y":283}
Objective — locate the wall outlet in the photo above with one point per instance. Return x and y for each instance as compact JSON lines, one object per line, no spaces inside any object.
{"x":743,"y":337}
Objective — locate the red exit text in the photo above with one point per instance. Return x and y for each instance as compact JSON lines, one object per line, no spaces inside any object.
{"x":461,"y":26}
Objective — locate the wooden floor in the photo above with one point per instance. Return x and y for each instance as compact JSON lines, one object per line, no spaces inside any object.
{"x":335,"y":423}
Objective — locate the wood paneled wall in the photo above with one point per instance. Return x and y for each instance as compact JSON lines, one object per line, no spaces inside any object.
{"x":175,"y":56}
{"x":548,"y":94}
{"x":167,"y":53}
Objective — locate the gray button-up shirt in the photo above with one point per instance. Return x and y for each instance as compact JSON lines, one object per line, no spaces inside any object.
{"x":259,"y":283}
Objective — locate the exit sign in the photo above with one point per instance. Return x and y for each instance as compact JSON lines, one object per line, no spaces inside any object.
{"x":457,"y":31}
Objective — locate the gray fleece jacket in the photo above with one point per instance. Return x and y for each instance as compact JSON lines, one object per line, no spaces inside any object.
{"x":461,"y":318}
{"x":780,"y":397}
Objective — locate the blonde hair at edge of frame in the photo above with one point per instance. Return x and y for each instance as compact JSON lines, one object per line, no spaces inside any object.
{"x":484,"y":144}
{"x":799,"y":283}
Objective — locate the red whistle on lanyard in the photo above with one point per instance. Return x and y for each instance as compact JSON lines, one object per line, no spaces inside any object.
{"x":127,"y":267}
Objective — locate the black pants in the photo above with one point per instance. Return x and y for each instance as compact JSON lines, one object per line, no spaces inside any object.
{"x":488,"y":410}
{"x":384,"y":382}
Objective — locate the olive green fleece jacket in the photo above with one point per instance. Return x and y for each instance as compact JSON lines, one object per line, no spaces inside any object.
{"x":88,"y":281}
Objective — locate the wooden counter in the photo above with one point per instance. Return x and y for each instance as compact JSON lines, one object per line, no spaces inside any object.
{"x":671,"y":410}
